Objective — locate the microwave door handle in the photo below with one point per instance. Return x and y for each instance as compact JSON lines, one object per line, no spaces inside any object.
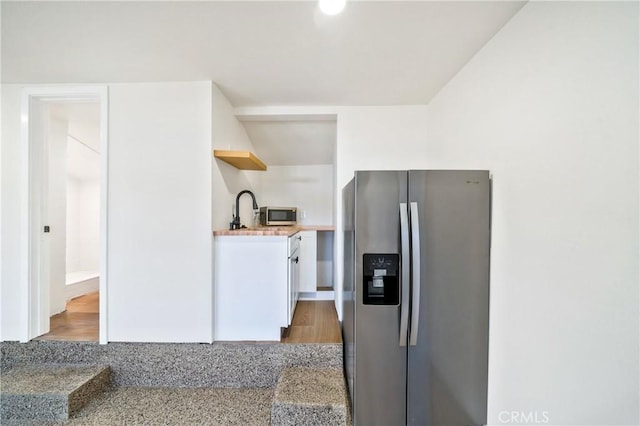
{"x":404,"y":273}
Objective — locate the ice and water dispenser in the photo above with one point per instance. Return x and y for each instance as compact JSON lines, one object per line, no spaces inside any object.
{"x":381,"y":279}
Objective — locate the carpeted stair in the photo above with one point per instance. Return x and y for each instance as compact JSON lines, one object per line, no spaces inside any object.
{"x":310,"y":396}
{"x":174,"y":384}
{"x":49,"y":392}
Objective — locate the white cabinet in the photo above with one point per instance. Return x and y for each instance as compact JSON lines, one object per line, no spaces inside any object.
{"x":252,"y":291}
{"x":308,"y":261}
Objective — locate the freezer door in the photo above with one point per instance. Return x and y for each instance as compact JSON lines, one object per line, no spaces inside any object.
{"x":448,"y":366}
{"x":379,"y":396}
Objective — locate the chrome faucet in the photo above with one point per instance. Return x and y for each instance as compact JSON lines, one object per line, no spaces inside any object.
{"x":235,"y":223}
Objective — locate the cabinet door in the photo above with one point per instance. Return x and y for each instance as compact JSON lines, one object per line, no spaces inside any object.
{"x":291,"y":286}
{"x":295,"y":284}
{"x":308,"y":261}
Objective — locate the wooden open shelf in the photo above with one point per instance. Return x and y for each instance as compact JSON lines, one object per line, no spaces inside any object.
{"x":243,"y":160}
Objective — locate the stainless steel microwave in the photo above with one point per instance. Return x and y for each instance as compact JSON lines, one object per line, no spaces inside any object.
{"x":278,"y":216}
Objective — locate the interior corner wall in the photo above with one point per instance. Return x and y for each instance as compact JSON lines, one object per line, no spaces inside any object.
{"x":308,"y":187}
{"x":83,"y":224}
{"x":227,"y":181}
{"x":11,"y":321}
{"x":159,"y":218}
{"x":550,"y":106}
{"x":374,"y":138}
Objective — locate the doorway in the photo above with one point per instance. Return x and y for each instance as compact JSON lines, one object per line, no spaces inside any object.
{"x":65,"y":149}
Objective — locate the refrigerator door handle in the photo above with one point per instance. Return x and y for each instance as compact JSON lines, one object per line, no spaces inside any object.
{"x":415,"y":270}
{"x":404,"y":273}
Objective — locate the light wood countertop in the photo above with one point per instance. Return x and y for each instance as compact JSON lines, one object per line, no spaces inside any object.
{"x":271,"y":230}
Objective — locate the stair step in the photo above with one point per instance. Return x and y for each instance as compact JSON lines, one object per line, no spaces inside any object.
{"x":178,"y":407}
{"x":49,"y":392}
{"x":217,"y":365}
{"x":310,"y":396}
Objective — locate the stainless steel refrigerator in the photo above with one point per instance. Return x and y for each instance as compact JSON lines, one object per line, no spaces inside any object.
{"x":416,"y":296}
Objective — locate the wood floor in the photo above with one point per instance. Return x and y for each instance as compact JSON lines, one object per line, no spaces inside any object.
{"x":78,"y":323}
{"x":313,"y":322}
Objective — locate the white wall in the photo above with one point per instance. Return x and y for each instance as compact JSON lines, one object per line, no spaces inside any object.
{"x":57,"y":209}
{"x":375,"y":138}
{"x":550,"y":106}
{"x":12,"y":244}
{"x":85,"y":126}
{"x":160,"y":243}
{"x":227,"y":181}
{"x":83,"y":197}
{"x":83,"y":223}
{"x":380,"y":138}
{"x":310,"y":188}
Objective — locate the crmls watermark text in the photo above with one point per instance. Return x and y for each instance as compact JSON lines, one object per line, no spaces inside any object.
{"x":524,"y":417}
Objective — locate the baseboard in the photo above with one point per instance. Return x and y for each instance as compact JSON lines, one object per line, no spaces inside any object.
{"x":81,"y":288}
{"x":317,"y":295}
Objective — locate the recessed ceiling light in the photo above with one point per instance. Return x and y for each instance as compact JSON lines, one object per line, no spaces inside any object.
{"x":331,"y":7}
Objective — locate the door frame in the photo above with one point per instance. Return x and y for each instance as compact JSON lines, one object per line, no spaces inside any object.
{"x":34,"y":298}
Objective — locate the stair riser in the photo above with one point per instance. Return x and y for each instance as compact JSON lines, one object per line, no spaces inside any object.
{"x":224,"y":365}
{"x":81,"y":396}
{"x":292,"y":415}
{"x":50,"y":392}
{"x":310,"y":396}
{"x":33,"y":407}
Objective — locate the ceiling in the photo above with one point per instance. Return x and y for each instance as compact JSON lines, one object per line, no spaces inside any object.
{"x":260,"y":53}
